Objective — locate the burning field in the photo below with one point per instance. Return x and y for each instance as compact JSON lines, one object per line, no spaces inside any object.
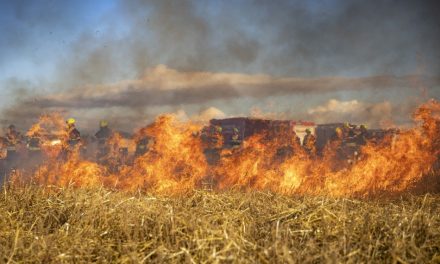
{"x":179,"y":157}
{"x":170,"y":131}
{"x":185,"y":199}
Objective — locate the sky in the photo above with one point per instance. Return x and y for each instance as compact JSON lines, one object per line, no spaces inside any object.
{"x":128,"y":61}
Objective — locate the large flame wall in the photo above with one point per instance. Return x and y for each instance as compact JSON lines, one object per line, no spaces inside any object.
{"x":176,"y":163}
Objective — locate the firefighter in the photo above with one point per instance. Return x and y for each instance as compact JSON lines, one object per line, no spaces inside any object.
{"x":339,"y":134}
{"x":348,"y":131}
{"x":103,"y":135}
{"x":288,"y":144}
{"x":214,"y":143}
{"x":123,"y":157}
{"x":73,"y":135}
{"x":333,"y":149}
{"x":13,"y":139}
{"x":361,"y":136}
{"x":34,"y":150}
{"x":34,"y":143}
{"x":215,"y":137}
{"x":353,"y":139}
{"x":13,"y":134}
{"x":3,"y":153}
{"x":296,"y":140}
{"x":235,"y":139}
{"x":350,"y":147}
{"x":72,"y":140}
{"x":204,"y":135}
{"x":3,"y":148}
{"x":142,"y":146}
{"x":309,"y":143}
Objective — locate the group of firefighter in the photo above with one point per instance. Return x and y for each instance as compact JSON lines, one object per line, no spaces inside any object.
{"x":343,"y":146}
{"x":344,"y":143}
{"x":13,"y":143}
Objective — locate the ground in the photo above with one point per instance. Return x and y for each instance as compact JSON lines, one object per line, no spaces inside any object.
{"x":83,"y":225}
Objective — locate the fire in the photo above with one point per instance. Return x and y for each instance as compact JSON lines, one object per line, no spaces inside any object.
{"x":74,"y":171}
{"x":51,"y":132}
{"x":393,"y":166}
{"x":175,"y":161}
{"x":55,"y":142}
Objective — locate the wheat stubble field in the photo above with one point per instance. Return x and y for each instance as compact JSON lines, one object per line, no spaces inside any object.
{"x":65,"y":225}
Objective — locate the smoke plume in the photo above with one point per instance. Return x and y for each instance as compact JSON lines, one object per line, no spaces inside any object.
{"x":213,"y":51}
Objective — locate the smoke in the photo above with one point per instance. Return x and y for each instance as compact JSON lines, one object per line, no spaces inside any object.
{"x":165,"y":87}
{"x":208,"y":114}
{"x":354,"y":111}
{"x":373,"y":114}
{"x":215,"y":51}
{"x":288,"y":38}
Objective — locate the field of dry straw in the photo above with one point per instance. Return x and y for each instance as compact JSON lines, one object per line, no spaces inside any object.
{"x":96,"y":225}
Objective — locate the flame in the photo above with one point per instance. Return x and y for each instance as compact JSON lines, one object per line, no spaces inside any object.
{"x":393,"y":166}
{"x":55,"y":142}
{"x":50,"y":129}
{"x":176,"y":162}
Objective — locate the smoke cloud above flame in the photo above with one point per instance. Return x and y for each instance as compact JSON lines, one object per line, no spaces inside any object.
{"x":162,"y":86}
{"x":130,"y":60}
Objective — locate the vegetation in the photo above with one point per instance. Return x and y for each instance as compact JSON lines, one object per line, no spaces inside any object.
{"x":97,"y":225}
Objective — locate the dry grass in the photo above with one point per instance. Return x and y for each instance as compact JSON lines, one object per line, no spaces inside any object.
{"x":80,"y":225}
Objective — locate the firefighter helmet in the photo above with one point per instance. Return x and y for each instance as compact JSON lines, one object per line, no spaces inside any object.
{"x":103,"y":123}
{"x":363,"y":126}
{"x":71,"y":121}
{"x":308,"y":131}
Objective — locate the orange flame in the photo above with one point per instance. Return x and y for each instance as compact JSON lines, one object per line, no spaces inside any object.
{"x":176,"y":162}
{"x":50,"y":129}
{"x":393,"y":166}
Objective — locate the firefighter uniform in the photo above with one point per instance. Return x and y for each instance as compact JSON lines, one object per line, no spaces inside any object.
{"x":142,"y":146}
{"x":103,"y":135}
{"x":34,"y":150}
{"x":3,"y":154}
{"x":334,"y":148}
{"x":72,"y":140}
{"x":213,"y":142}
{"x":309,"y":143}
{"x":235,"y":139}
{"x":362,"y":135}
{"x":216,"y":137}
{"x":13,"y":139}
{"x":3,"y":148}
{"x":74,"y":137}
{"x":33,"y":144}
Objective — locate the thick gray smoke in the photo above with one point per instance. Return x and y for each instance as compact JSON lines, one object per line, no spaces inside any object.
{"x":216,"y":50}
{"x":164,"y":86}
